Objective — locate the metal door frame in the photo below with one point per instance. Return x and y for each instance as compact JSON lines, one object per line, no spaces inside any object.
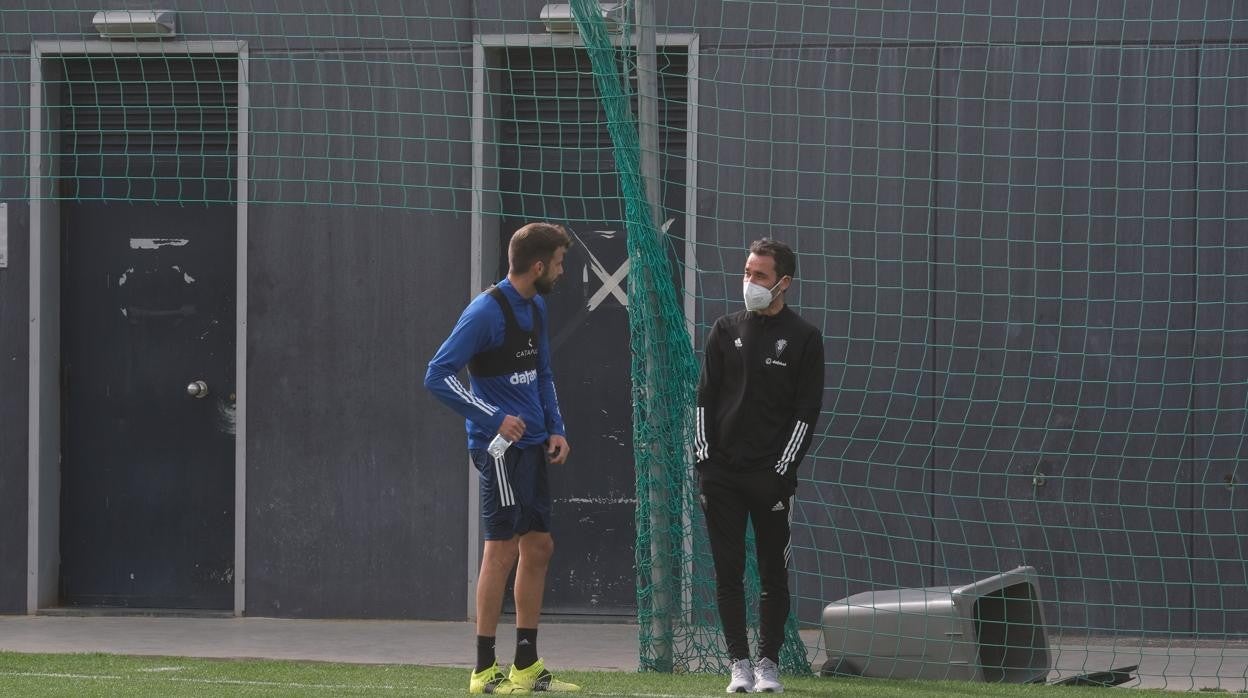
{"x":44,"y":444}
{"x":483,"y":259}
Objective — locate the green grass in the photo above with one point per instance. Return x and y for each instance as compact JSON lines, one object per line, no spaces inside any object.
{"x":136,"y":677}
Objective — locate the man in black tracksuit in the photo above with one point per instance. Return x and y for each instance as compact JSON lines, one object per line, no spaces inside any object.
{"x":759,"y":396}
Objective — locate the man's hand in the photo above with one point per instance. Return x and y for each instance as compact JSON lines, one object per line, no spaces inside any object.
{"x":512,"y":428}
{"x":557,"y":449}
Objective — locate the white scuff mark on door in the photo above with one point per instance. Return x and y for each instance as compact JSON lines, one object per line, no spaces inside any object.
{"x":156,"y":243}
{"x":227,"y":417}
{"x":185,"y":277}
{"x":121,"y":280}
{"x":600,"y":500}
{"x":211,"y":325}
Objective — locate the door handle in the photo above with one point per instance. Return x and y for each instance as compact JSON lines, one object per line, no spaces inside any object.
{"x":197,"y":389}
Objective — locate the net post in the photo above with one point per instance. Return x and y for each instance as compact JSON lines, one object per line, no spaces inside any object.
{"x":648,"y":141}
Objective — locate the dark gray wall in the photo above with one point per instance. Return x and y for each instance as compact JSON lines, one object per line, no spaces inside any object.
{"x":14,"y":294}
{"x":794,"y":22}
{"x":1048,"y":358}
{"x":953,"y":253}
{"x":357,"y":479}
{"x":1004,"y":246}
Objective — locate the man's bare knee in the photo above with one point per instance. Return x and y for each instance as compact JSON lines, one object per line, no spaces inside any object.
{"x":536,"y":548}
{"x":500,"y":554}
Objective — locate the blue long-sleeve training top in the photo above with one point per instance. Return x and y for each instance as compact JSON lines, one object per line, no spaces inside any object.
{"x":488,"y":399}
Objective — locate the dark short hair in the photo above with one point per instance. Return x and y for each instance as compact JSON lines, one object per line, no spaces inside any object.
{"x":782,"y":254}
{"x":535,"y":242}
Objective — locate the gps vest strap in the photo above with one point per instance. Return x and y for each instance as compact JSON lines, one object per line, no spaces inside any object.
{"x":518,"y":352}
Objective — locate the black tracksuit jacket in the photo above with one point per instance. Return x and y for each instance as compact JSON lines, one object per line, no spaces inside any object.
{"x":760,"y":393}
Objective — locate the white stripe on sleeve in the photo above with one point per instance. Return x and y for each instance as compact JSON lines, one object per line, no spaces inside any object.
{"x":790,"y":451}
{"x":701,"y":448}
{"x":453,"y":383}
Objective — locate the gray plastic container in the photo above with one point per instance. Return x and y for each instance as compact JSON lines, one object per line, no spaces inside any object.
{"x":990,"y":630}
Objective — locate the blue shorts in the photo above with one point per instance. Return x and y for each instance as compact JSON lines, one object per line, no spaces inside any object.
{"x":515,"y":495}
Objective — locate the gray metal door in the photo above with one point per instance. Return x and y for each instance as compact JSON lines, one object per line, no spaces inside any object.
{"x":148,"y":235}
{"x":148,"y":470}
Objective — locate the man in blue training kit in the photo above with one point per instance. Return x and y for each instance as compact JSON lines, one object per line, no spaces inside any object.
{"x":502,"y":338}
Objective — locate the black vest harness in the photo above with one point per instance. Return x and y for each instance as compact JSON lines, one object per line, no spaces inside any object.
{"x":518,"y":352}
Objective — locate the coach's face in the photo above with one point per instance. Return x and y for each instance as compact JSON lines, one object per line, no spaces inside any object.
{"x":761,"y":269}
{"x":545,"y":283}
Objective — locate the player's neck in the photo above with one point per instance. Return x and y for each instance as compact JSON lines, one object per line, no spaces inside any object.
{"x":523,"y":285}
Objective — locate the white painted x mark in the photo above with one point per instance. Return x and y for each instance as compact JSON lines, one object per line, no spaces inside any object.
{"x":612,"y":284}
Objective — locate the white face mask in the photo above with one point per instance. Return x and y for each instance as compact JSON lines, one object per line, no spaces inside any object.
{"x":758,"y":297}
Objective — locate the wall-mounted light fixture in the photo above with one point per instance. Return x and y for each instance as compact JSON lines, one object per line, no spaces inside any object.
{"x":559,"y":19}
{"x":134,"y":24}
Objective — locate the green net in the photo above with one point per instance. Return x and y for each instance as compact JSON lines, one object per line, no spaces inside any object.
{"x":664,"y":369}
{"x":675,"y":604}
{"x":1020,"y":226}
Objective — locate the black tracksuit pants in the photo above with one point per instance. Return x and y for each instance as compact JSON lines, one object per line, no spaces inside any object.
{"x":728,"y":500}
